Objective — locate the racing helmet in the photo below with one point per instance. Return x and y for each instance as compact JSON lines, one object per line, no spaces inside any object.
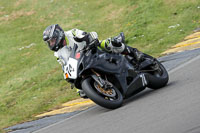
{"x":54,"y":36}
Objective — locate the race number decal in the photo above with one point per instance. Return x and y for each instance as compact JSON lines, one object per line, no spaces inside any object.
{"x":71,"y":68}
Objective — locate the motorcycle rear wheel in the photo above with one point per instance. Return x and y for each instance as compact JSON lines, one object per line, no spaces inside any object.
{"x":158,"y":79}
{"x":99,"y":98}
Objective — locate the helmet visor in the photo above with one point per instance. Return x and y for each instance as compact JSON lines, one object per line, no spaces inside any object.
{"x":52,"y":42}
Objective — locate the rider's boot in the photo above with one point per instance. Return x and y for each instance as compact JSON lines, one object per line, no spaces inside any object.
{"x":135,"y":53}
{"x":81,"y":94}
{"x":119,"y":41}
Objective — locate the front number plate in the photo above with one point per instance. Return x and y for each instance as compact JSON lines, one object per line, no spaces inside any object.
{"x":71,"y":68}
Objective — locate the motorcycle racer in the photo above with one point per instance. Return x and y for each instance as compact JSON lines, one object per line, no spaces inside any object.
{"x":56,"y":38}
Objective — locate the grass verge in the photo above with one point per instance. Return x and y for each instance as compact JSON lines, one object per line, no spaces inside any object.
{"x":31,"y":80}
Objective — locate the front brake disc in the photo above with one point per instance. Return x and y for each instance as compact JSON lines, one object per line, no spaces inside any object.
{"x":110,"y":92}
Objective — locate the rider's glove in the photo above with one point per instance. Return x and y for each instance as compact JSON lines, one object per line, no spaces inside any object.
{"x":88,"y":38}
{"x":119,"y":40}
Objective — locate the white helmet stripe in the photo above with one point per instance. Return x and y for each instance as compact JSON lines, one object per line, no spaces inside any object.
{"x":52,"y":30}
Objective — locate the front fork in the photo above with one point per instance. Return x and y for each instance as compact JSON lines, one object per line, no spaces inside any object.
{"x":103,"y":83}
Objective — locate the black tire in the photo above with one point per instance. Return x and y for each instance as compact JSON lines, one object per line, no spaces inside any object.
{"x":91,"y":92}
{"x":156,"y":81}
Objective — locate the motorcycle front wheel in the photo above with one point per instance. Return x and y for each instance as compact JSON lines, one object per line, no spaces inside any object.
{"x":111,"y":98}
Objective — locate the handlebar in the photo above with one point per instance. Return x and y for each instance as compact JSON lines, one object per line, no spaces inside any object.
{"x":94,"y":43}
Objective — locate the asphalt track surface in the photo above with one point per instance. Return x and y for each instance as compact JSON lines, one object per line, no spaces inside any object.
{"x":172,"y":109}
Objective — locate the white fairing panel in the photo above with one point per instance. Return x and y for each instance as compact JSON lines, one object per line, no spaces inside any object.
{"x":71,"y":68}
{"x":63,"y":54}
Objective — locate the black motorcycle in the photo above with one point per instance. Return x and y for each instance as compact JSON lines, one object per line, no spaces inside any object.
{"x":108,"y":78}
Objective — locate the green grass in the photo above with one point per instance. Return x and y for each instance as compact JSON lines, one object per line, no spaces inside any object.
{"x":31,"y":80}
